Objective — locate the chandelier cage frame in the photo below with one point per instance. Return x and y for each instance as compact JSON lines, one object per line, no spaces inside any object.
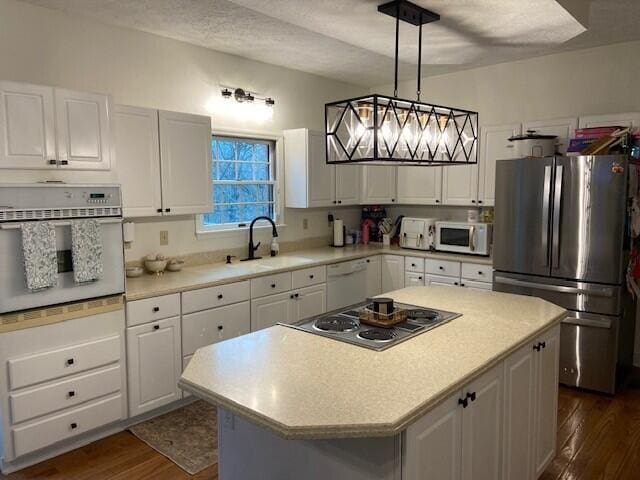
{"x":380,"y":129}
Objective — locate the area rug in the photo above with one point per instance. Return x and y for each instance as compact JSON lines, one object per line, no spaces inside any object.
{"x":187,"y":436}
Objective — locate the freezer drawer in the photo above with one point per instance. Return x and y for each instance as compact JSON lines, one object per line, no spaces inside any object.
{"x":588,"y":346}
{"x":579,"y":296}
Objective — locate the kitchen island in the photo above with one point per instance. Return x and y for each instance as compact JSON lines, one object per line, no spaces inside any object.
{"x":473,"y":398}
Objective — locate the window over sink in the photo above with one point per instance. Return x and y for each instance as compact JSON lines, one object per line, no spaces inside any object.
{"x":244,"y":182}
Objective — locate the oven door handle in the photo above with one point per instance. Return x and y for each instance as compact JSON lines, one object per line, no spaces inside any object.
{"x":66,"y":223}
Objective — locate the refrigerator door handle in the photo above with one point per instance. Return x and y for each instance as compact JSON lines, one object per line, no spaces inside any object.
{"x":595,"y":322}
{"x":594,"y":290}
{"x":545,"y":214}
{"x":556,"y":217}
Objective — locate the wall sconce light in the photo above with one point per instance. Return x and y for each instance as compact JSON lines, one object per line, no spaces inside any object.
{"x":242,"y":105}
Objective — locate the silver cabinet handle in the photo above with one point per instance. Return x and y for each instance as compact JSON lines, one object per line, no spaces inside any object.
{"x":588,"y":290}
{"x":556,"y":217}
{"x":545,"y":214}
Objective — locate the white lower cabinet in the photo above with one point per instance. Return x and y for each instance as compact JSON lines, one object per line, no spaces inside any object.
{"x":374,"y":276}
{"x":519,"y":400}
{"x":154,"y":364}
{"x":288,"y":307}
{"x":392,"y":272}
{"x":482,"y":427}
{"x":547,"y":357}
{"x":501,"y":426}
{"x":413,"y":279}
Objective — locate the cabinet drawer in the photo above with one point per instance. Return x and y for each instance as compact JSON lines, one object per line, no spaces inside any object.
{"x":66,"y":425}
{"x":64,"y":361}
{"x":205,"y":298}
{"x":441,"y":280}
{"x":474,"y":285}
{"x":262,"y":286}
{"x":212,"y":326}
{"x":152,"y":309}
{"x":414,"y":264}
{"x":413,"y":279}
{"x":472,"y":271}
{"x":309,"y":276}
{"x":442,"y":267}
{"x":64,"y":394}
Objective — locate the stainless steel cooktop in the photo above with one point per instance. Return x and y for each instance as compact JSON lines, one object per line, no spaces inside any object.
{"x":344,"y":326}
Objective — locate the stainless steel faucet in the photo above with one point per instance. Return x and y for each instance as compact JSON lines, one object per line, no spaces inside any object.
{"x":253,"y":248}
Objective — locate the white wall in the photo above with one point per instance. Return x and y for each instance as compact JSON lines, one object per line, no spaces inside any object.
{"x":582,"y":82}
{"x":43,"y":46}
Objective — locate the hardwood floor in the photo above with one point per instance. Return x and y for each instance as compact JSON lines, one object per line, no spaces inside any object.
{"x":598,"y":438}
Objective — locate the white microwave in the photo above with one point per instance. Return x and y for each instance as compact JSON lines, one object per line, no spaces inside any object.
{"x":463,"y":237}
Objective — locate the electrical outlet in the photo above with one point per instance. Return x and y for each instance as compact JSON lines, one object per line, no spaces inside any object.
{"x":305,"y":223}
{"x":164,"y":237}
{"x":228,"y":420}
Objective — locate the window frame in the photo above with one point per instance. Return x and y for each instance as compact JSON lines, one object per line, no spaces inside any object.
{"x":277,"y":166}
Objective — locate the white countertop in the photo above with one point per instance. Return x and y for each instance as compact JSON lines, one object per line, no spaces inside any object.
{"x":302,"y":385}
{"x":209,"y":275}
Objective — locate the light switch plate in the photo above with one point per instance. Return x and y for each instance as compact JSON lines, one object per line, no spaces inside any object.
{"x":164,"y":237}
{"x":305,"y":223}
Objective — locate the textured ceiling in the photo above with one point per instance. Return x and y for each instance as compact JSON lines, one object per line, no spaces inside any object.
{"x":348,"y":40}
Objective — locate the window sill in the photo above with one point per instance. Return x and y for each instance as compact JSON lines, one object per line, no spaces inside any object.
{"x":234,"y":231}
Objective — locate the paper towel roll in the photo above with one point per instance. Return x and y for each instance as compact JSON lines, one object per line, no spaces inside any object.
{"x":338,"y":233}
{"x":129,"y":232}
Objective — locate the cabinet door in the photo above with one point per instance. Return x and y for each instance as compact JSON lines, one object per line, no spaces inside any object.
{"x":482,"y":427}
{"x":138,"y":160}
{"x":433,"y":444}
{"x":519,"y":399}
{"x":630,"y":119}
{"x":214,"y":325}
{"x":420,"y":185}
{"x":83,"y":130}
{"x":378,"y":185}
{"x":322,"y":177}
{"x":392,"y":273}
{"x":412,"y":279}
{"x":348,"y":184}
{"x":564,"y":128}
{"x":494,"y":145}
{"x":546,"y":407}
{"x":441,"y":280}
{"x":269,"y":310}
{"x":460,"y":185}
{"x":374,"y":276}
{"x":27,"y":132}
{"x":154,"y":363}
{"x":185,"y":162}
{"x":308,"y":302}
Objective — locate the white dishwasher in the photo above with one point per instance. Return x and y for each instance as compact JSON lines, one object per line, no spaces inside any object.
{"x":346,"y":283}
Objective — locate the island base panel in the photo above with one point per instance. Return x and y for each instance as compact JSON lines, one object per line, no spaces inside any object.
{"x":250,"y":452}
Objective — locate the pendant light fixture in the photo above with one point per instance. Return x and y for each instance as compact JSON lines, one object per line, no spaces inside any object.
{"x":382,"y":130}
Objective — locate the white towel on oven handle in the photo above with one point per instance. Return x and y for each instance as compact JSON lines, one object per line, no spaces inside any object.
{"x":86,"y":250}
{"x":39,"y":255}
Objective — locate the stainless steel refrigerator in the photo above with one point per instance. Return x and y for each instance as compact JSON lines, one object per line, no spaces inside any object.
{"x":560,"y":234}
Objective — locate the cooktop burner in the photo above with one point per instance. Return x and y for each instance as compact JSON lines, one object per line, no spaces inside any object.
{"x":336,"y":323}
{"x":344,"y":325}
{"x":423,"y":316}
{"x":377,"y":335}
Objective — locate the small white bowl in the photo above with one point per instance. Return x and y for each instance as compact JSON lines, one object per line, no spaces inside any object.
{"x":155,"y":266}
{"x":134,"y":272}
{"x":175,"y":265}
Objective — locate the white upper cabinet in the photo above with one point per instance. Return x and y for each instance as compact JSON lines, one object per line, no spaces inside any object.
{"x":83,"y":130}
{"x":494,"y":145}
{"x":27,"y":131}
{"x":138,"y":160}
{"x":420,"y":185}
{"x":309,"y":181}
{"x":460,"y":185}
{"x":564,"y":128}
{"x":378,"y":184}
{"x":630,"y":119}
{"x":185,"y":159}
